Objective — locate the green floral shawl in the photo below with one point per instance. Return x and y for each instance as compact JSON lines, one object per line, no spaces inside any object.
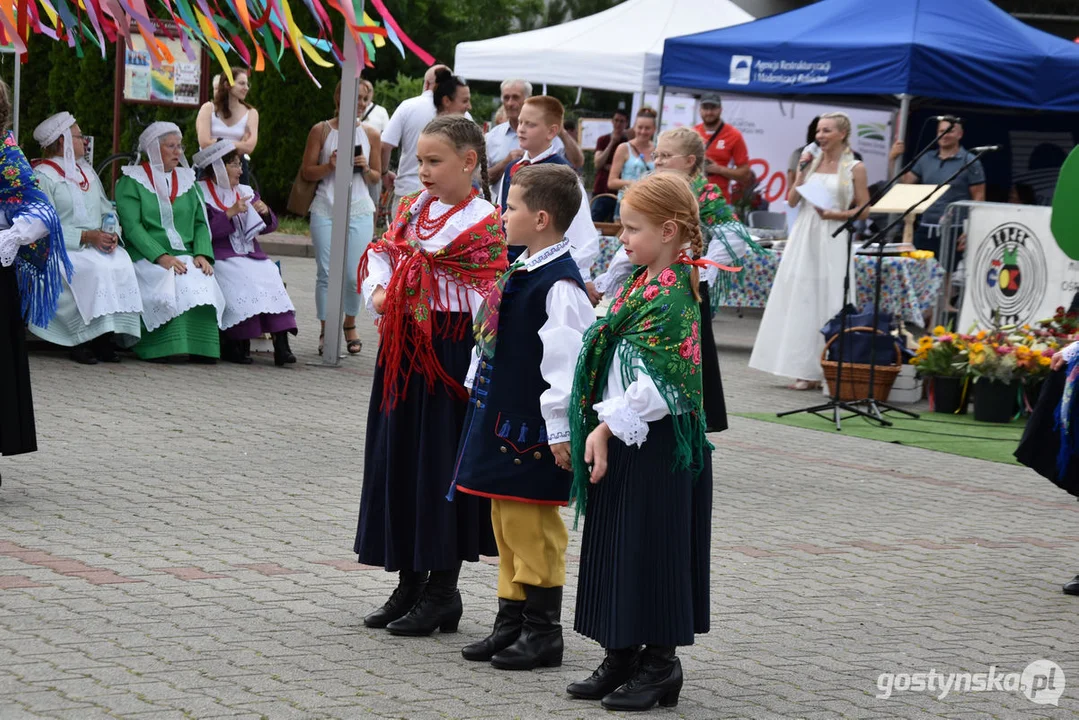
{"x":717,"y":220}
{"x":659,"y":322}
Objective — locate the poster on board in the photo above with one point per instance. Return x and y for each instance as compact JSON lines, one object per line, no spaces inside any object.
{"x":592,"y":129}
{"x":1015,"y":272}
{"x":175,"y":83}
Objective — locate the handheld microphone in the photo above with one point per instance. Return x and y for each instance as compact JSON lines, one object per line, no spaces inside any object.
{"x":985,"y":149}
{"x":813,"y":149}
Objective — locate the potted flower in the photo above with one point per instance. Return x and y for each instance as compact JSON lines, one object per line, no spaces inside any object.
{"x":995,"y":369}
{"x":942,"y":358}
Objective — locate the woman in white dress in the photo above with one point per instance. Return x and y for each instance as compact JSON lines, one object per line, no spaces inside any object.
{"x":808,"y":288}
{"x":229,"y":117}
{"x":101,"y":304}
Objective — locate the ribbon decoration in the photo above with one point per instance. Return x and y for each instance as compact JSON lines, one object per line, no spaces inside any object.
{"x":253,"y":30}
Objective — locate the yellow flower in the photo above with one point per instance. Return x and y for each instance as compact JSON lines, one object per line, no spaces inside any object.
{"x":1044,"y":361}
{"x":939,"y":330}
{"x":981,"y":335}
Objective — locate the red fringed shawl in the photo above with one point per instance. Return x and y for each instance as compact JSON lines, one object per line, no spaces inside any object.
{"x":472,"y":261}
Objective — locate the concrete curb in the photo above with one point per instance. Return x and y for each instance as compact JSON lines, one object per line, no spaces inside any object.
{"x":284,"y":244}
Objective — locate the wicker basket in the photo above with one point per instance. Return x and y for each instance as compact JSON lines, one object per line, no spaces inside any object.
{"x":856,"y":375}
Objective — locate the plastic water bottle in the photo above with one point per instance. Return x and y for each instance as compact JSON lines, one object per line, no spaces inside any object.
{"x":108,"y":223}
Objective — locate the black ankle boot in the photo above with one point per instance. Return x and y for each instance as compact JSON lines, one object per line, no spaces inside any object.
{"x":540,"y":642}
{"x":507,"y":628}
{"x":232,"y":351}
{"x":104,"y":350}
{"x":439,"y":607}
{"x":658,"y":680}
{"x":618,"y":667}
{"x":409,"y":587}
{"x":83,"y":354}
{"x":282,"y":354}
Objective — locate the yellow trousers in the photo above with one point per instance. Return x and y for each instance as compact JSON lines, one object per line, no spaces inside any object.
{"x":532,"y":543}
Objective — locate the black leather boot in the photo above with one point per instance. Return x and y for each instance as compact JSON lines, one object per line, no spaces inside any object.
{"x":282,"y":354}
{"x":507,"y":628}
{"x":618,"y":667}
{"x":409,"y":587}
{"x":83,"y":354}
{"x":439,"y":607}
{"x":540,"y":642}
{"x":104,"y":350}
{"x":232,"y":351}
{"x":658,"y":680}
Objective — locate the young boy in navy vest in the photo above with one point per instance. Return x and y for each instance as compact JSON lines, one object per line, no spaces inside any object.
{"x":515,"y":447}
{"x":539,"y":124}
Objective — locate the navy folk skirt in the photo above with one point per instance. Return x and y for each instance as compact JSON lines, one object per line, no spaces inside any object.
{"x":645,"y":551}
{"x":17,"y":432}
{"x":715,"y":406}
{"x":405,"y":521}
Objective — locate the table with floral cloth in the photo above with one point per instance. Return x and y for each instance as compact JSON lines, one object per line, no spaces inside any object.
{"x":910,"y":285}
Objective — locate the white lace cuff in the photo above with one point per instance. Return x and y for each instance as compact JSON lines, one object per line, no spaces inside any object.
{"x":1070,"y":352}
{"x":623,"y":421}
{"x":557,"y":431}
{"x":23,"y":231}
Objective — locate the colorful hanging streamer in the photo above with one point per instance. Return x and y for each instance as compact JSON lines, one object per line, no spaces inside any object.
{"x":253,"y":30}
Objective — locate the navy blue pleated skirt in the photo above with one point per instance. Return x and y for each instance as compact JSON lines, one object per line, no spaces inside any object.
{"x":715,"y":406}
{"x":645,"y":551}
{"x":405,"y":521}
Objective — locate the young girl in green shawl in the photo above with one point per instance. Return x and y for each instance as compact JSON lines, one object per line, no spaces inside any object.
{"x":642,"y":464}
{"x":726,"y":241}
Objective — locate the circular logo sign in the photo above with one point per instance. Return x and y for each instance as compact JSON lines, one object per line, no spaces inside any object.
{"x":1008,"y":276}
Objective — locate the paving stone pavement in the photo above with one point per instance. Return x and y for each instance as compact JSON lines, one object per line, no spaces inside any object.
{"x":180,"y":548}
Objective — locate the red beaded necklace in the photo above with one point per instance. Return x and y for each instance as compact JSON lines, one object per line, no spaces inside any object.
{"x":426,"y":228}
{"x":84,"y":184}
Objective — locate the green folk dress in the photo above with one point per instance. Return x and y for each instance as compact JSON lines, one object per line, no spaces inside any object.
{"x":180,"y":312}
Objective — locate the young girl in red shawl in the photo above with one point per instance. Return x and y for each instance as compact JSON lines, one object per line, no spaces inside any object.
{"x":424,"y":280}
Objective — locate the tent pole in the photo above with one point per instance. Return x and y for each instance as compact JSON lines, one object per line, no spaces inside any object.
{"x":901,"y":127}
{"x":342,"y":193}
{"x":18,"y":94}
{"x":659,"y":110}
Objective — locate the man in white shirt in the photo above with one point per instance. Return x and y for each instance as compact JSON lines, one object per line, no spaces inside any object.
{"x":503,"y":145}
{"x":403,"y":131}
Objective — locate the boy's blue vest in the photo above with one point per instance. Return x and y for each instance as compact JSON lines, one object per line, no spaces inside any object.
{"x":504,"y":451}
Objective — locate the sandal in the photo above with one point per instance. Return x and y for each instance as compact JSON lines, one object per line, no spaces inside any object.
{"x":804,"y":385}
{"x":355,"y":345}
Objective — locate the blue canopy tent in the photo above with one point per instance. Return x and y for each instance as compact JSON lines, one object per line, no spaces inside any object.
{"x":966,"y":51}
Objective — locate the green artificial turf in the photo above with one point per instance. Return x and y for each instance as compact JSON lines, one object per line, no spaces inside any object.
{"x":954,"y":434}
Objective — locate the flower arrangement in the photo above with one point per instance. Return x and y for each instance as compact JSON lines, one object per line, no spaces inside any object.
{"x":918,"y":254}
{"x":1005,"y":354}
{"x":942,"y":354}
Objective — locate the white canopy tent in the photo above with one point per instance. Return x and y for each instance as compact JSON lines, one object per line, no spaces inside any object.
{"x":618,"y":49}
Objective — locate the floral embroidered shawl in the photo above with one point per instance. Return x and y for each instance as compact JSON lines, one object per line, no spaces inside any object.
{"x":717,"y":220}
{"x":659,"y":323}
{"x":39,"y":265}
{"x":472,"y":261}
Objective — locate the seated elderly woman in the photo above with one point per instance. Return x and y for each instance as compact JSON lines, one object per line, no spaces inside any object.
{"x":256,"y":301}
{"x":101,"y":303}
{"x":165,"y":231}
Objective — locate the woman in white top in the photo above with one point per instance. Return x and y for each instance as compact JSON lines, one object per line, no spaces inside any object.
{"x":229,"y":117}
{"x":808,"y":289}
{"x":319,"y":165}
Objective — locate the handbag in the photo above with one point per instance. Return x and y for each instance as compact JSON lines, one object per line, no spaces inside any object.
{"x":303,"y":190}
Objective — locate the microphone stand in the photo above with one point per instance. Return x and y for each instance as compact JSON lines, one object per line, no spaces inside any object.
{"x":874,"y":406}
{"x":835,"y":405}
